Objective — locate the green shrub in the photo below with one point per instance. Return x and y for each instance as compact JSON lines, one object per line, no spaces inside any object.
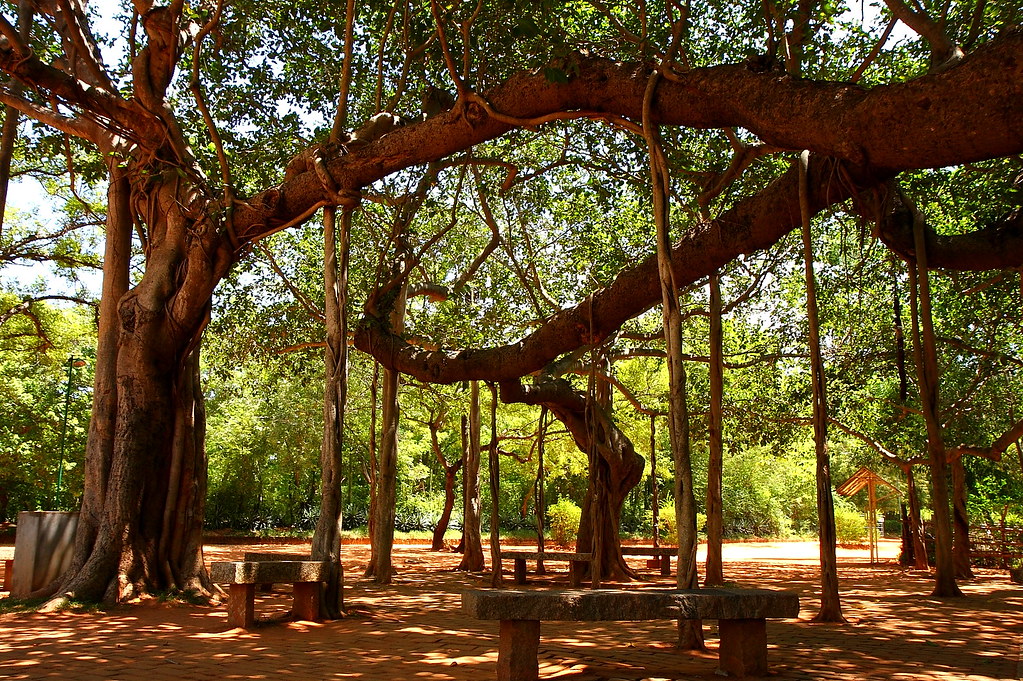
{"x":563,"y":519}
{"x":667,"y":528}
{"x":850,"y":525}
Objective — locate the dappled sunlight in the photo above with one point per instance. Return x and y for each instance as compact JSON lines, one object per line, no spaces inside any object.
{"x":414,"y":628}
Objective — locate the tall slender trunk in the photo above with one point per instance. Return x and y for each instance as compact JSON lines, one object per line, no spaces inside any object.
{"x":690,"y":631}
{"x":915,"y":525}
{"x":715,"y":522}
{"x":380,"y":566}
{"x":831,"y":603}
{"x":540,"y":494}
{"x":494,"y":470}
{"x":450,"y":481}
{"x":326,"y":544}
{"x":472,"y":543}
{"x":373,"y":476}
{"x":925,"y":353}
{"x":960,"y":521}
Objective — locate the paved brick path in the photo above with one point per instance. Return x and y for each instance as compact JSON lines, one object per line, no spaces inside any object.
{"x":414,"y":630}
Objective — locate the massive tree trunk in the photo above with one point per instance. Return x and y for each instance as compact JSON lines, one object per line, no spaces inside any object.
{"x":145,"y":461}
{"x":615,"y":469}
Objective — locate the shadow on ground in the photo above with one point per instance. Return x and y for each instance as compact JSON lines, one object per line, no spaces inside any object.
{"x":413,"y":629}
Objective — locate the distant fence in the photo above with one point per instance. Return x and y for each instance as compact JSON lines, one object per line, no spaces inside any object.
{"x":995,"y":545}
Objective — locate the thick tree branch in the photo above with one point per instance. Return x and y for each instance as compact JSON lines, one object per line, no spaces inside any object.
{"x":752,"y":224}
{"x":995,"y":246}
{"x":997,"y":448}
{"x":917,"y":124}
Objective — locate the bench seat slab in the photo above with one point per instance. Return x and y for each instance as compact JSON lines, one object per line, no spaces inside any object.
{"x":584,"y":605}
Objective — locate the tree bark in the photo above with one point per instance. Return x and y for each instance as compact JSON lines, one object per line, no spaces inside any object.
{"x":915,"y":524}
{"x":146,"y":465}
{"x":326,"y":544}
{"x":614,"y":470}
{"x":494,"y":475}
{"x":380,"y":567}
{"x":715,"y":569}
{"x":540,"y":492}
{"x":926,"y":357}
{"x":9,"y":135}
{"x":472,"y":543}
{"x":960,"y":521}
{"x":831,"y":603}
{"x":450,"y":481}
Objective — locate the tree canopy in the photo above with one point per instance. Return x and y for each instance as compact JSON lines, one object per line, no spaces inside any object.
{"x":489,"y":162}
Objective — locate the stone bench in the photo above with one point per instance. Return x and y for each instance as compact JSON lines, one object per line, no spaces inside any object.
{"x":8,"y":574}
{"x":305,"y":576}
{"x":576,"y":561}
{"x":741,"y":615}
{"x":661,"y":555}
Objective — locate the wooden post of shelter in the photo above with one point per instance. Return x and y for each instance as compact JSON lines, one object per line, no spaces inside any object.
{"x":866,"y":478}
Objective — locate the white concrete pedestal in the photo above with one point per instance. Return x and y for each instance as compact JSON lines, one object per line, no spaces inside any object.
{"x":43,"y":546}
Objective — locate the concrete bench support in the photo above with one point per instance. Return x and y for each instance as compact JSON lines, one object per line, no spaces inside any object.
{"x":8,"y":574}
{"x":741,"y":615}
{"x":576,"y":563}
{"x":518,"y":650}
{"x":742,"y":650}
{"x":243,"y":576}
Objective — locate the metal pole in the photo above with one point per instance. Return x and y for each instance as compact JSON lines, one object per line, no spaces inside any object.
{"x":72,"y":362}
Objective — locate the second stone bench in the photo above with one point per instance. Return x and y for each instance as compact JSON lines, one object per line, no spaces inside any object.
{"x":305,"y":576}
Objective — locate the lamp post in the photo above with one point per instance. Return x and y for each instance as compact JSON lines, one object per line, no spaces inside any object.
{"x":72,"y":362}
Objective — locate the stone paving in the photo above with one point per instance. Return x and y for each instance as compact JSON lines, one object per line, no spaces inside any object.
{"x":414,"y":629}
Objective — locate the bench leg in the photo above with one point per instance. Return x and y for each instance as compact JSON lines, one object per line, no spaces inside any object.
{"x":575,"y":573}
{"x":665,"y":565}
{"x":241,"y":605}
{"x":517,"y":650}
{"x":307,"y":601}
{"x":520,"y":570}
{"x":8,"y":573}
{"x":743,"y":647}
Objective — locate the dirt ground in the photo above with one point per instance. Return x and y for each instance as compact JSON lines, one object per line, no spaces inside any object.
{"x":413,"y":629}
